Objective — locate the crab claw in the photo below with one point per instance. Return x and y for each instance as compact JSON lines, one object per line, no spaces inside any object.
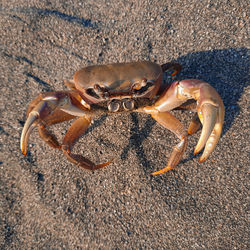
{"x":210,"y":110}
{"x":30,"y":123}
{"x":208,"y":116}
{"x":44,"y":107}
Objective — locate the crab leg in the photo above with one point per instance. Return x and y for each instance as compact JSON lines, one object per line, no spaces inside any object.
{"x":78,"y":127}
{"x":57,"y":116}
{"x":171,"y":65}
{"x":168,"y":121}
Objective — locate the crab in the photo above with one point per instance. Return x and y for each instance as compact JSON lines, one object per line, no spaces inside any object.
{"x":127,"y":87}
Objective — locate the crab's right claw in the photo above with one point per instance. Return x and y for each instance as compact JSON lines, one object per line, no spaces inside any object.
{"x":30,"y":123}
{"x":48,"y":109}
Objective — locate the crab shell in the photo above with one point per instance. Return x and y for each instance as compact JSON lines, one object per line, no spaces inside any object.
{"x":118,"y":81}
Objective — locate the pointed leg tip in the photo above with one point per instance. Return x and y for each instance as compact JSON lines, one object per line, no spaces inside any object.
{"x":162,"y":171}
{"x":197,"y":149}
{"x":202,"y":160}
{"x":196,"y":152}
{"x":24,"y":151}
{"x":154,"y":173}
{"x":108,"y":162}
{"x":103,"y":164}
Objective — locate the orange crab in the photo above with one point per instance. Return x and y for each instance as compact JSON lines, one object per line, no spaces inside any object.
{"x":127,"y":87}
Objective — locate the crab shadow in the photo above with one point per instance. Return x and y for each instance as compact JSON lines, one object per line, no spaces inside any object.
{"x":225,"y":70}
{"x":41,"y":13}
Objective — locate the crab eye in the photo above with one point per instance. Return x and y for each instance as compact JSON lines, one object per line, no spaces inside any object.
{"x":113,"y":106}
{"x":92,"y":93}
{"x":128,"y":104}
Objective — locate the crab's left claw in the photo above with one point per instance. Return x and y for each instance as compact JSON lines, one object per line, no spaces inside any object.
{"x":210,"y":110}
